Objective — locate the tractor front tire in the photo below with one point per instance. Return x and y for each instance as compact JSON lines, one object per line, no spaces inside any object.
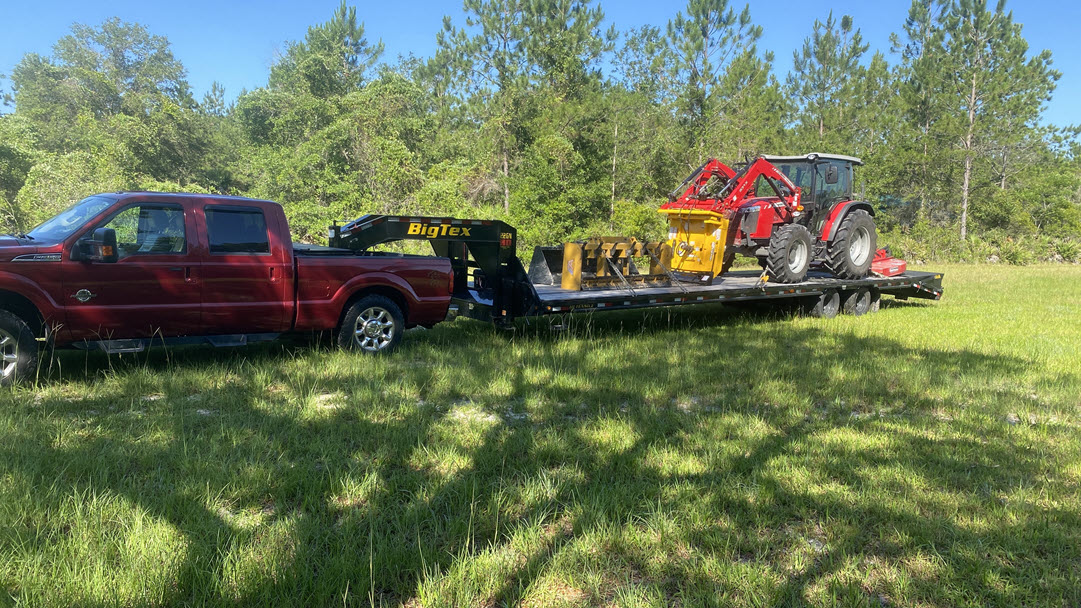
{"x":18,"y":350}
{"x":727,"y":261}
{"x":789,"y":254}
{"x":852,"y":250}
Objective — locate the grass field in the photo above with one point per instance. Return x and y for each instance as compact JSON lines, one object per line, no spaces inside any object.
{"x":927,"y":455}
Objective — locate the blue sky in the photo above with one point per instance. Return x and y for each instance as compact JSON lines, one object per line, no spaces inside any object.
{"x":235,"y":43}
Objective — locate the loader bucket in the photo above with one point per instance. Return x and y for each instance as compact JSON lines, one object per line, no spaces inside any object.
{"x":546,"y":266}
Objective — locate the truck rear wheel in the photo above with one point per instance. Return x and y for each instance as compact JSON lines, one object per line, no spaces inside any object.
{"x":789,"y":254}
{"x":18,"y":350}
{"x":852,"y":250}
{"x":373,"y":324}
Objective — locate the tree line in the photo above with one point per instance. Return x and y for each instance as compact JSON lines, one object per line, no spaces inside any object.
{"x":533,"y":112}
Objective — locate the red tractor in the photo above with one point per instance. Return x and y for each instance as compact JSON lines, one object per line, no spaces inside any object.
{"x":787,"y":211}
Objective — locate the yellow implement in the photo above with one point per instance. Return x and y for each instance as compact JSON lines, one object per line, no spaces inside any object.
{"x":698,"y":239}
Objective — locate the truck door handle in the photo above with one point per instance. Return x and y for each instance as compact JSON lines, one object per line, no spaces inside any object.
{"x":185,"y":269}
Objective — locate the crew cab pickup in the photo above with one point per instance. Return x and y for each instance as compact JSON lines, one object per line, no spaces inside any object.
{"x":122,"y":271}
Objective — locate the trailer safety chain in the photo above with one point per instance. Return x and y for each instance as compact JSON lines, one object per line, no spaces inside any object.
{"x":619,"y":274}
{"x":668,"y":272}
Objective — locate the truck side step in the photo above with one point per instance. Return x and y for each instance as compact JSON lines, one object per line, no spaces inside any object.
{"x":138,"y":345}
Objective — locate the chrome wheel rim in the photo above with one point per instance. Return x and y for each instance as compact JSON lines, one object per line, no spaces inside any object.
{"x":9,"y":354}
{"x":860,"y":247}
{"x":797,"y":256}
{"x":374,"y":329}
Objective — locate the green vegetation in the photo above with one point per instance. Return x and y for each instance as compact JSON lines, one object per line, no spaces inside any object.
{"x":929,"y":454}
{"x":533,"y":113}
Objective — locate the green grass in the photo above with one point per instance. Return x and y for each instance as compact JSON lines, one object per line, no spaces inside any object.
{"x":928,"y":455}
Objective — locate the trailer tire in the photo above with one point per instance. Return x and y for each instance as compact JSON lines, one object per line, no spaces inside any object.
{"x":876,"y":300}
{"x":858,"y":302}
{"x":850,"y":253}
{"x":18,"y":350}
{"x":825,"y":306}
{"x":374,"y":324}
{"x":789,"y":254}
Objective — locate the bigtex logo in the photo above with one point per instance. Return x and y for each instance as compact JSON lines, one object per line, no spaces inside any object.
{"x":433,"y":230}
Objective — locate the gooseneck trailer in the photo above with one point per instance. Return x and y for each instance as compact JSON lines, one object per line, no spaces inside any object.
{"x":491,"y":284}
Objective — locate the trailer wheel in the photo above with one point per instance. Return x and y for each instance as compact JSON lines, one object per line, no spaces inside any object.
{"x":858,"y":302}
{"x":18,"y":349}
{"x":789,"y":254}
{"x":876,"y":300}
{"x":825,"y":306}
{"x":852,"y":250}
{"x":374,"y":324}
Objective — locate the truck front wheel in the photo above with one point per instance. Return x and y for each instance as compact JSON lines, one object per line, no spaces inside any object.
{"x":373,"y":324}
{"x":18,"y":349}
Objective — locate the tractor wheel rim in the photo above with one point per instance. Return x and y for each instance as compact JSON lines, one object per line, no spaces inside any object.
{"x":860,"y":247}
{"x":374,"y":329}
{"x":797,"y":256}
{"x":9,"y":354}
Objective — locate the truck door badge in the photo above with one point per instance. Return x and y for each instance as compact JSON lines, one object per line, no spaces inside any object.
{"x":84,"y":295}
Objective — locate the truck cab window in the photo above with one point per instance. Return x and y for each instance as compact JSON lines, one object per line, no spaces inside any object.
{"x":149,"y":229}
{"x":237,"y":230}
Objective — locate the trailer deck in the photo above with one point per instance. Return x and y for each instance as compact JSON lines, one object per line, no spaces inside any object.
{"x":491,"y":284}
{"x":732,"y":287}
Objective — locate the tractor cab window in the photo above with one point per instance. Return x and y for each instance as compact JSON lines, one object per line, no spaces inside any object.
{"x":840,"y":189}
{"x":800,"y":174}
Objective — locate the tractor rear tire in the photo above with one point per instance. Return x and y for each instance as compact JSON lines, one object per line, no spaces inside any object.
{"x":18,"y":350}
{"x":852,"y":250}
{"x":789,"y":254}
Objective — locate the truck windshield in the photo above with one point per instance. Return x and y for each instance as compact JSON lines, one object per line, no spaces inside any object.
{"x":63,"y":224}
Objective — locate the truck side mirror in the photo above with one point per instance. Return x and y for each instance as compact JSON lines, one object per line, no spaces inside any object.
{"x":100,"y":247}
{"x":831,"y":174}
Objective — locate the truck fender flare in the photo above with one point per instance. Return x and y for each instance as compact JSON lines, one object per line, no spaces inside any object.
{"x":837,"y":215}
{"x":377,"y":281}
{"x":20,"y":286}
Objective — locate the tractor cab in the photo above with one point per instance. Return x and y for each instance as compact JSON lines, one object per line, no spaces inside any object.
{"x":823,"y":179}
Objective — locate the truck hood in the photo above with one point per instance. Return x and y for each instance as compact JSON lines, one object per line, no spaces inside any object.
{"x":12,"y":247}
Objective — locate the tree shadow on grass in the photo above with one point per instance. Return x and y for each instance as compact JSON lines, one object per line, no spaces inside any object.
{"x":280,"y":502}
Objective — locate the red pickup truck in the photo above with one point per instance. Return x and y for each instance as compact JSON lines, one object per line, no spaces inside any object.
{"x":126,"y":270}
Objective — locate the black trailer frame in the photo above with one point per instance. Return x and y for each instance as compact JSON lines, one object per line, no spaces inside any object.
{"x":490,"y":283}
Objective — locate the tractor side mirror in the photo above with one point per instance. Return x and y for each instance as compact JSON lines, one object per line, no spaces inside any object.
{"x":100,"y":247}
{"x":831,"y":174}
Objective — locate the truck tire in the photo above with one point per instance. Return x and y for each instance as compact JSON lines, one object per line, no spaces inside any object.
{"x":373,"y":324}
{"x":852,"y":250}
{"x":789,"y":254}
{"x":18,"y":350}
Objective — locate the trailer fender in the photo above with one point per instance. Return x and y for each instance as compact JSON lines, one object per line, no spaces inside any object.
{"x":837,"y":215}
